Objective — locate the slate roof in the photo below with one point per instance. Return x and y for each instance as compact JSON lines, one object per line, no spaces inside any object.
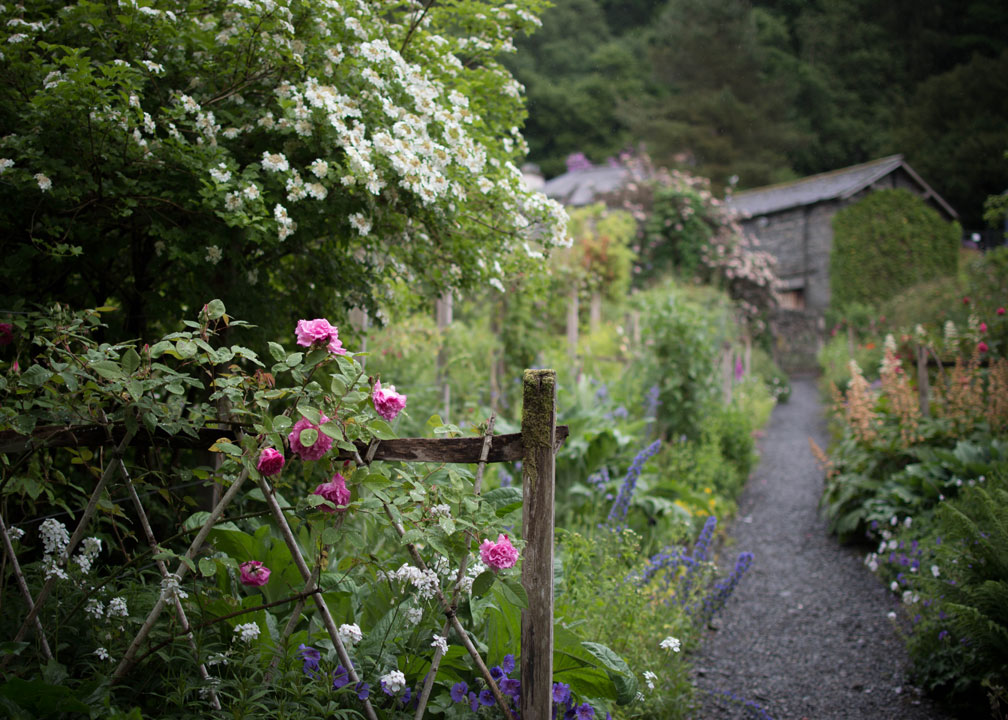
{"x":835,"y":185}
{"x":582,"y":187}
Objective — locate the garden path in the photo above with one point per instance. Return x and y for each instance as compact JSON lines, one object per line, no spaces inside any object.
{"x":806,"y":633}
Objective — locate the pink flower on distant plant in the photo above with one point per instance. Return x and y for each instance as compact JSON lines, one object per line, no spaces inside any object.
{"x":983,"y":327}
{"x":966,"y":301}
{"x":6,"y":333}
{"x":336,"y":492}
{"x":739,"y":369}
{"x":1000,"y":311}
{"x":270,"y":462}
{"x":387,"y":402}
{"x":499,"y":555}
{"x":982,"y":346}
{"x":310,"y":332}
{"x":317,"y":449}
{"x":254,"y":573}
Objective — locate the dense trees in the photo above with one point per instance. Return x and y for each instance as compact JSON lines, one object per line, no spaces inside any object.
{"x":772,"y":89}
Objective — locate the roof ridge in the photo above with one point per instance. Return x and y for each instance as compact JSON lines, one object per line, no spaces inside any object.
{"x":820,"y":176}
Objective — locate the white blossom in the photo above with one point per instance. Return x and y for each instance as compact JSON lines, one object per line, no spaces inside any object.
{"x":220,"y":173}
{"x":350,"y":634}
{"x":246,"y":632}
{"x":670,"y":643}
{"x":649,"y":678}
{"x":394,"y":681}
{"x":214,"y":255}
{"x":117,"y":607}
{"x":102,"y":654}
{"x":441,"y":643}
{"x":44,"y":183}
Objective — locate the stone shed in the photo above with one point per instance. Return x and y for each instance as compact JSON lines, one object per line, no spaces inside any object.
{"x":793,"y":221}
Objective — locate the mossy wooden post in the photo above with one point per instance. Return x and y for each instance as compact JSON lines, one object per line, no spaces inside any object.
{"x":538,"y":437}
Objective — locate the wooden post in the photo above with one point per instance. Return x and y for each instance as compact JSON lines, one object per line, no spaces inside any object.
{"x":595,"y":311}
{"x":923,"y":384}
{"x":538,"y":437}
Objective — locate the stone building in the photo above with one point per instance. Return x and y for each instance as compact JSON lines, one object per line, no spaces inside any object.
{"x":793,"y":221}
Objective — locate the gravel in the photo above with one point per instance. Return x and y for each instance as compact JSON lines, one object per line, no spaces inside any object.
{"x":806,"y":633}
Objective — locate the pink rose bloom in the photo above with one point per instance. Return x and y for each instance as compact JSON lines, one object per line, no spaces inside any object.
{"x":983,"y":327}
{"x":309,"y":452}
{"x":6,"y":333}
{"x":1000,"y":311}
{"x":387,"y":402}
{"x":270,"y":462}
{"x":254,"y":572}
{"x":335,"y":491}
{"x":499,"y":555}
{"x":982,"y":346}
{"x":310,"y":332}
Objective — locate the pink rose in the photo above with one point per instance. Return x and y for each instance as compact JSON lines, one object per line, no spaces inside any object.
{"x":254,"y":572}
{"x":6,"y":333}
{"x":317,"y":449}
{"x":1000,"y":311}
{"x":983,"y":327}
{"x":270,"y":462}
{"x":387,"y":402}
{"x":310,"y":332}
{"x":982,"y":346}
{"x":335,"y":491}
{"x":499,"y":555}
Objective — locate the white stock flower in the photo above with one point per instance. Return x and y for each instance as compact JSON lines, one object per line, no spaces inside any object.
{"x":394,"y":681}
{"x":102,"y":654}
{"x":649,"y":678}
{"x":440,"y":643}
{"x":117,"y":607}
{"x":350,"y":634}
{"x":246,"y":632}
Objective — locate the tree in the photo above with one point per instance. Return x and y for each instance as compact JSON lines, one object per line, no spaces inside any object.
{"x":291,"y":158}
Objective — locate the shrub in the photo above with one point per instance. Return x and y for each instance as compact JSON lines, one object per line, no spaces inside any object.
{"x":885,"y":242}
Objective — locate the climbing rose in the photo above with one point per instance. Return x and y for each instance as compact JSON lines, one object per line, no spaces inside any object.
{"x":499,"y":555}
{"x":983,"y":327}
{"x":310,"y":452}
{"x":254,"y":573}
{"x":982,"y":346}
{"x":319,"y":330}
{"x":6,"y":333}
{"x":1000,"y":311}
{"x":387,"y":402}
{"x":335,"y":491}
{"x":270,"y":461}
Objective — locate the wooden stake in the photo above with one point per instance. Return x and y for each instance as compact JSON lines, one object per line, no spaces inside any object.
{"x":538,"y":435}
{"x":923,"y":383}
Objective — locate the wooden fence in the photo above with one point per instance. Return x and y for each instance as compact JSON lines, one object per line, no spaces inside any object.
{"x":535,"y":446}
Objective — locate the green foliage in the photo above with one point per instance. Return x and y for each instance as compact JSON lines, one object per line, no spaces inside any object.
{"x":595,"y":590}
{"x":681,"y":342}
{"x":885,"y":242}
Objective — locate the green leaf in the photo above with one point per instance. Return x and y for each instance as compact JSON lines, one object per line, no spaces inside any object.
{"x":434,"y":421}
{"x":333,"y":430}
{"x":226,"y":446}
{"x":215,"y":309}
{"x":277,"y":351}
{"x":135,"y":388}
{"x":36,"y":376}
{"x":130,"y":361}
{"x":514,"y":592}
{"x":311,"y":414}
{"x":308,"y":437}
{"x":294,"y":359}
{"x":207,"y":567}
{"x":330,"y":536}
{"x":186,"y":349}
{"x":108,"y":369}
{"x":483,"y":583}
{"x":381,"y":429}
{"x":281,"y":423}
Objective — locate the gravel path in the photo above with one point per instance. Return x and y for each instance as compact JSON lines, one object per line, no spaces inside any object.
{"x":806,"y":633}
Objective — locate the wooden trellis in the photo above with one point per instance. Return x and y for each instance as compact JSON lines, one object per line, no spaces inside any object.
{"x":535,"y":445}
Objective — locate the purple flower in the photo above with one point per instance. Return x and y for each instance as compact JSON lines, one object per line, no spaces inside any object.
{"x":561,"y":692}
{"x":458,"y":691}
{"x":585,"y":712}
{"x":363,"y":690}
{"x":340,"y":677}
{"x":473,"y":701}
{"x":508,"y":664}
{"x":618,"y":512}
{"x":512,"y":687}
{"x":497,"y":672}
{"x":311,"y":658}
{"x":486,"y":697}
